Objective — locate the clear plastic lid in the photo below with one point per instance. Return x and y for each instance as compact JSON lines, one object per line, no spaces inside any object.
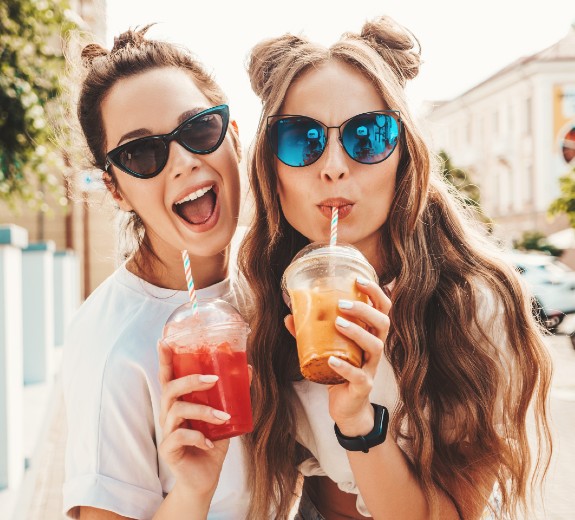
{"x":213,"y":315}
{"x":321,"y":256}
{"x":340,"y":250}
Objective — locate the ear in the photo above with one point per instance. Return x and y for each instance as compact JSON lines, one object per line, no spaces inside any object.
{"x":112,"y":187}
{"x":234,"y":123}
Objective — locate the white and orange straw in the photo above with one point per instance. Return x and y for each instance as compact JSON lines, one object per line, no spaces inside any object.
{"x":190,"y":282}
{"x":334,"y":221}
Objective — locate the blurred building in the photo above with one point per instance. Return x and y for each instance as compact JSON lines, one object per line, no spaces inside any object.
{"x":86,"y":227}
{"x":514,"y":134}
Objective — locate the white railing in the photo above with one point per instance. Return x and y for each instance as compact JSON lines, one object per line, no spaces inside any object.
{"x":39,"y":291}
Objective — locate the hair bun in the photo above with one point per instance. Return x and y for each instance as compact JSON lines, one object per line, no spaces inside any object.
{"x":265,"y":57}
{"x":132,"y":37}
{"x":396,"y":44}
{"x":92,"y":51}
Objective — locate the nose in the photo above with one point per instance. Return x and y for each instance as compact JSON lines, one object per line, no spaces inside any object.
{"x":181,"y":161}
{"x":334,"y":160}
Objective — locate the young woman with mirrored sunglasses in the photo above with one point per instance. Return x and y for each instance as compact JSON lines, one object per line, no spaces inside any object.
{"x":451,"y":351}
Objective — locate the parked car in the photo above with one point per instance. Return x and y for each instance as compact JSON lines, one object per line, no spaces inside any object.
{"x":551,"y":282}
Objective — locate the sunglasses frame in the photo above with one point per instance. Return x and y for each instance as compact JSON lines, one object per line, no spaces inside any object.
{"x":396,"y":114}
{"x":222,"y":110}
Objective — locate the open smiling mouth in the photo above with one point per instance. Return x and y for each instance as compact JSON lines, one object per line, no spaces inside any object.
{"x":197,"y":207}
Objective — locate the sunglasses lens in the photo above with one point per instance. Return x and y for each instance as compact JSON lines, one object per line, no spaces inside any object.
{"x":203,"y":133}
{"x":370,"y":138}
{"x":297,"y":141}
{"x":144,"y":157}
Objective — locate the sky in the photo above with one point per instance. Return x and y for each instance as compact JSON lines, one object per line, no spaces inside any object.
{"x":462,"y":42}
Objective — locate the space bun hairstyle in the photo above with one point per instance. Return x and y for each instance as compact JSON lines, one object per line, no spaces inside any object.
{"x":450,"y":371}
{"x":397,"y":45}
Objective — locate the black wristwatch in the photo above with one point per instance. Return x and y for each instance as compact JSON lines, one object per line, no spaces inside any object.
{"x":373,"y":438}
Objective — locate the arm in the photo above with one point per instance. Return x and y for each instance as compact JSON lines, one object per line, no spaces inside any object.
{"x":195,"y":461}
{"x":384,"y":476}
{"x":396,"y":492}
{"x":112,"y":456}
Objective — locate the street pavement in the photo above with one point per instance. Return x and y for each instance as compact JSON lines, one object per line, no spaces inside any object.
{"x":559,"y":492}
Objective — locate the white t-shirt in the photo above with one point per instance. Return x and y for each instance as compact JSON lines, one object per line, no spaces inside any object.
{"x":315,"y":425}
{"x":112,"y":396}
{"x":315,"y":430}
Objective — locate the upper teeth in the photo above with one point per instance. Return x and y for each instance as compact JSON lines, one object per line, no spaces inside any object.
{"x":195,"y":195}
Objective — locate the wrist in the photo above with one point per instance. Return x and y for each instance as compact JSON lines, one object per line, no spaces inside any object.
{"x":363,"y":442}
{"x":361,"y":424}
{"x":191,"y":494}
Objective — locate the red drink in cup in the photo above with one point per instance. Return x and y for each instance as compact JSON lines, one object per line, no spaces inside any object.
{"x":213,"y":342}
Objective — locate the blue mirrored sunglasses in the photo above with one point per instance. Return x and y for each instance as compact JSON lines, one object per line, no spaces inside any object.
{"x":368,"y":138}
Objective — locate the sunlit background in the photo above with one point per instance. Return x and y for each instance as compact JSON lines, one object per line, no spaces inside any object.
{"x":495,"y":97}
{"x":462,"y":42}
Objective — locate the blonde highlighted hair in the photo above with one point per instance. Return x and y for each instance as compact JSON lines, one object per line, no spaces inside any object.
{"x":462,"y":412}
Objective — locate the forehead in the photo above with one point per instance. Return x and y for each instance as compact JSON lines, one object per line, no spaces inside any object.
{"x":332,"y":93}
{"x":152,"y":100}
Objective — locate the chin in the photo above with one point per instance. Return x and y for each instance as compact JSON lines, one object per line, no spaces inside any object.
{"x":213,"y":245}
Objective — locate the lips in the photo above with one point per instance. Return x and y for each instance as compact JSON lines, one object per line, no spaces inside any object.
{"x":344,"y":207}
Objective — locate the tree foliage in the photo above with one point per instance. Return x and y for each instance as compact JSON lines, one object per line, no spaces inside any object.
{"x":536,"y":241}
{"x":461,"y":181}
{"x":565,"y":204}
{"x":31,"y":69}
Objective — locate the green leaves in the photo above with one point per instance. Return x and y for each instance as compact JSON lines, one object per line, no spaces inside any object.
{"x":536,"y":241}
{"x":31,"y":70}
{"x":460,"y":180}
{"x":468,"y":191}
{"x":566,"y":202}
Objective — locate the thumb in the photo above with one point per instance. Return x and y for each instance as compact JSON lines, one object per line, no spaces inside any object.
{"x":166,"y":372}
{"x":289,"y":323}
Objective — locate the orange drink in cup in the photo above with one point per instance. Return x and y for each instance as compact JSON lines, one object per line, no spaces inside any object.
{"x":319,"y":276}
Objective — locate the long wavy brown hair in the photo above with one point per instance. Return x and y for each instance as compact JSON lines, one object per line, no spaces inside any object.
{"x":466,"y":351}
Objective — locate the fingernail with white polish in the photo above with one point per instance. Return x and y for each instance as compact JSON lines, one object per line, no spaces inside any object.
{"x":345,"y":304}
{"x":209,"y":443}
{"x":342,"y":322}
{"x":218,"y":414}
{"x":334,"y":362}
{"x":362,"y":281}
{"x":208,"y":379}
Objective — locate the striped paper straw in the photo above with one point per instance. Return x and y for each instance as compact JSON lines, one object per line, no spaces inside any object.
{"x":190,"y":282}
{"x":334,"y":219}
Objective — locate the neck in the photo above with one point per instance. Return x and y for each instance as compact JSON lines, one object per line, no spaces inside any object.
{"x":169,"y":273}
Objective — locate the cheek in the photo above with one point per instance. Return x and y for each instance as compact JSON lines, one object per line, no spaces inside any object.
{"x":141,"y":194}
{"x":228,"y":171}
{"x":291,"y":191}
{"x":381,"y":194}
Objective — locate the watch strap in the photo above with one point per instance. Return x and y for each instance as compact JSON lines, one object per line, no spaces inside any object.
{"x":373,"y":438}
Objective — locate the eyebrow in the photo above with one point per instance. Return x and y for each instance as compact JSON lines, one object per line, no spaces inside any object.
{"x":145,"y":132}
